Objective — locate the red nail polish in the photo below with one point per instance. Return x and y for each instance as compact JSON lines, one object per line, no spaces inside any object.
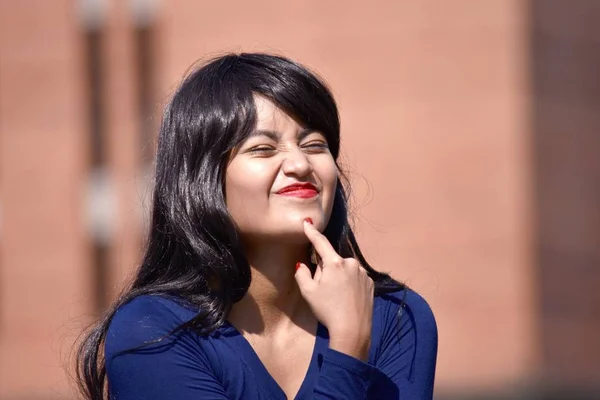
{"x":309,"y":220}
{"x":297,"y":266}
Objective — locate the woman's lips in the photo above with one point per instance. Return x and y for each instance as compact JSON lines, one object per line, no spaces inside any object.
{"x":304,"y":193}
{"x":302,"y":190}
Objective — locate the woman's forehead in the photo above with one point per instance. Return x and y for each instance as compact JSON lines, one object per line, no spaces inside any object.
{"x":274,"y":122}
{"x":269,"y":116}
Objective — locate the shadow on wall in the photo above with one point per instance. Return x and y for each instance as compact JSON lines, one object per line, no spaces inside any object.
{"x":565,"y":60}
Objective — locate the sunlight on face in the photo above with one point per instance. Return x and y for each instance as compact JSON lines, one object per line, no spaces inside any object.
{"x":280,"y":153}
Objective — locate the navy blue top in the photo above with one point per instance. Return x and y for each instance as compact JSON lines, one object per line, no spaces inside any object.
{"x":223,"y":365}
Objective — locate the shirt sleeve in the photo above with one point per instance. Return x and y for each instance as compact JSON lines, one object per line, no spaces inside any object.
{"x":402,"y":364}
{"x":173,"y":367}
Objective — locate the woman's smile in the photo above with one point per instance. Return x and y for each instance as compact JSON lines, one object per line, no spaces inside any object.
{"x":300,"y":193}
{"x":300,"y":190}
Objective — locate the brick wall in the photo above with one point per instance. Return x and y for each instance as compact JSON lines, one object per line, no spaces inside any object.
{"x":469,"y":130}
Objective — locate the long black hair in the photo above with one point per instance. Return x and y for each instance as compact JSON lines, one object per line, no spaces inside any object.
{"x":193,"y":245}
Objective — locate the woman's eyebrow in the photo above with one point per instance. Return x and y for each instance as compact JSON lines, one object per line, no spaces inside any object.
{"x":304,"y":133}
{"x":275,"y":135}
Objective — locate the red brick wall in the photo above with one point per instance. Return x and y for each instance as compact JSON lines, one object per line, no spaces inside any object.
{"x":44,"y":257}
{"x":469,"y":131}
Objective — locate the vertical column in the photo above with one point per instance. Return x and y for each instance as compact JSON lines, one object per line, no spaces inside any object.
{"x":44,"y":259}
{"x":121,"y":119}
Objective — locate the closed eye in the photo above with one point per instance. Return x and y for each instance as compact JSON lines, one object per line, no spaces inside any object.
{"x":316,"y":146}
{"x":261,"y":150}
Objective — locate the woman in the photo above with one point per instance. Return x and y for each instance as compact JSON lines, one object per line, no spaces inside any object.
{"x":253,"y":285}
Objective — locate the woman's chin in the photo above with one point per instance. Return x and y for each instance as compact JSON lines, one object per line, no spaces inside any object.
{"x":287,"y":231}
{"x":292,"y":236}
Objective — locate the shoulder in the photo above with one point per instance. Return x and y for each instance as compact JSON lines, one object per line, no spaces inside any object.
{"x":144,"y":319}
{"x":147,"y":357}
{"x":408,"y":309}
{"x":405,"y":336}
{"x":405,"y":341}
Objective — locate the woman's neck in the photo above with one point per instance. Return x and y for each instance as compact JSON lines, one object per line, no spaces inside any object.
{"x":273,"y":300}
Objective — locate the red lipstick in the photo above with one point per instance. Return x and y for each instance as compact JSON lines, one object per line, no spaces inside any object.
{"x":302,"y":190}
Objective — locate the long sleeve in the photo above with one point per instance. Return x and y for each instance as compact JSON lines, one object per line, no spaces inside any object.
{"x":172,"y":368}
{"x":402,"y":363}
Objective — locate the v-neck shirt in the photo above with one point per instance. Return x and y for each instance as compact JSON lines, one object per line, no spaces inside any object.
{"x":223,"y":365}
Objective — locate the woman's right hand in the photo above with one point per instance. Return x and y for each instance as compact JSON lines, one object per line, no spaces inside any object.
{"x":340,"y":296}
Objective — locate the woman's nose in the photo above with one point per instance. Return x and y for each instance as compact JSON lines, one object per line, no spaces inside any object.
{"x":296,"y":163}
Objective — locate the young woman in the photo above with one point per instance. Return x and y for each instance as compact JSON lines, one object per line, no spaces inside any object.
{"x":253,"y":285}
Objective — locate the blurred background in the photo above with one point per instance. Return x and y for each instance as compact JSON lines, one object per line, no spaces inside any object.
{"x":471,"y":131}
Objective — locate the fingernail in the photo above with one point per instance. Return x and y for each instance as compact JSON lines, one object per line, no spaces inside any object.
{"x":309,"y":220}
{"x":297,"y":266}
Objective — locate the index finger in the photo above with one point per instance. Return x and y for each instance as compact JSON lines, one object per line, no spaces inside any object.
{"x":319,"y":242}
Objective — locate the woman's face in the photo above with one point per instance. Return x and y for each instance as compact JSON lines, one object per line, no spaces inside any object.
{"x":278,"y":154}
